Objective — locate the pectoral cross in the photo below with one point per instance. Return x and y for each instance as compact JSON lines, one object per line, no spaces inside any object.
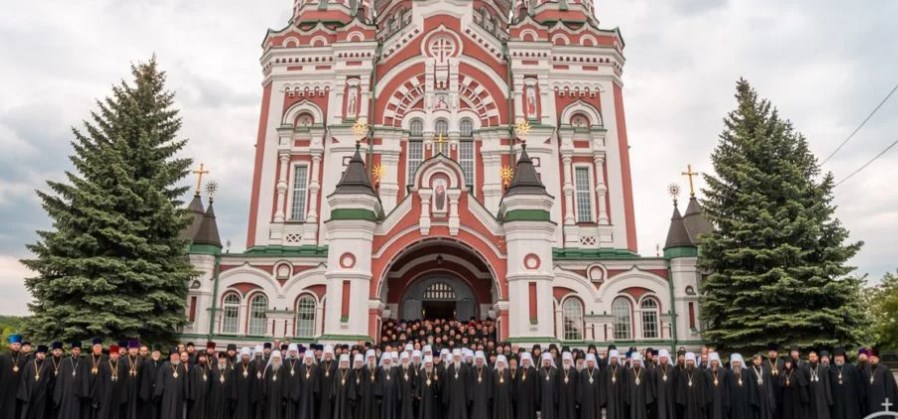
{"x":439,"y":142}
{"x":199,"y":180}
{"x":887,"y":405}
{"x":690,"y":174}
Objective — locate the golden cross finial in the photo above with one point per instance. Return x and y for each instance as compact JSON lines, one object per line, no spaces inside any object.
{"x":199,"y":179}
{"x":690,"y":174}
{"x":359,"y":131}
{"x":507,"y":174}
{"x":440,"y":141}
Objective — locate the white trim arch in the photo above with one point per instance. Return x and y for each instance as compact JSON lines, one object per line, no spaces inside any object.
{"x":634,"y":278}
{"x":299,"y":107}
{"x":581,"y":286}
{"x":595,"y":118}
{"x":251,"y":275}
{"x":305,"y":279}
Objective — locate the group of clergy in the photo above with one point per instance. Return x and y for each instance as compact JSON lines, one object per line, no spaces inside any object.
{"x":343,"y":382}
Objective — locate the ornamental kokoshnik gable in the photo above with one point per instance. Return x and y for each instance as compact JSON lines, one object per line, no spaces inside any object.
{"x":459,"y":159}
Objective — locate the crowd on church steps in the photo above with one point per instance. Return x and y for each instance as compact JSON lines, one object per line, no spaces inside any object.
{"x":412,"y":381}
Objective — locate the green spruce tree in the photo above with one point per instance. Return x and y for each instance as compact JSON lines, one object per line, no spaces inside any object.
{"x":777,"y":257}
{"x":883,"y":305}
{"x":113,"y":265}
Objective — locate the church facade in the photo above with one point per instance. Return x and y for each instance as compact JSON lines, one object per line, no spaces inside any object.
{"x":444,"y":158}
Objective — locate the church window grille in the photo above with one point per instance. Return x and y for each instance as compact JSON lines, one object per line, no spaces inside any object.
{"x":584,"y":195}
{"x":415,"y":148}
{"x":231,"y":314}
{"x":649,"y":319}
{"x":466,"y":151}
{"x":572,"y":319}
{"x":621,"y":309}
{"x":305,"y":317}
{"x":300,"y":187}
{"x":439,"y":291}
{"x":441,"y":126}
{"x":257,"y":315}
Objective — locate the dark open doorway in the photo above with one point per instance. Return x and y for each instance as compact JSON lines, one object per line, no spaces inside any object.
{"x":438,"y":310}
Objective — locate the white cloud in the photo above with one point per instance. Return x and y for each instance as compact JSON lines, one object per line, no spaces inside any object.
{"x":13,"y":296}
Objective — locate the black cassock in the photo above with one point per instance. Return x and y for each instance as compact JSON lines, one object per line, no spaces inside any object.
{"x":774,"y":368}
{"x":342,"y":393}
{"x":327,"y":371}
{"x":292,"y":386}
{"x":820,"y":397}
{"x":149,"y":407}
{"x":367,"y":406}
{"x":640,"y":392}
{"x":259,"y":385}
{"x":388,"y":392}
{"x":171,"y":390}
{"x":11,"y":368}
{"x":219,"y":393}
{"x":427,"y":391}
{"x":306,"y":395}
{"x":503,"y":401}
{"x":33,"y":390}
{"x":133,"y":369}
{"x":742,"y":395}
{"x":198,"y":387}
{"x":548,"y":393}
{"x":244,"y":390}
{"x":880,"y":385}
{"x":794,"y":400}
{"x":110,"y":389}
{"x":55,"y":363}
{"x":90,"y":406}
{"x":765,"y":388}
{"x":692,"y":393}
{"x":589,"y":393}
{"x":408,"y":378}
{"x":614,"y":394}
{"x":482,"y":392}
{"x":526,"y":390}
{"x":70,"y":386}
{"x":273,"y":392}
{"x":566,"y":389}
{"x":847,"y":391}
{"x":665,"y":382}
{"x":718,"y":383}
{"x":456,"y":391}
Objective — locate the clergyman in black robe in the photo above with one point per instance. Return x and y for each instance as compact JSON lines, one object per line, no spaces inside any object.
{"x":692,"y":390}
{"x":456,"y":388}
{"x":820,"y":398}
{"x":548,"y":394}
{"x":171,"y":388}
{"x":33,"y":390}
{"x":880,"y":385}
{"x":306,"y":395}
{"x":526,"y":388}
{"x":388,"y":387}
{"x":566,"y":387}
{"x":133,"y":365}
{"x":341,"y":397}
{"x":292,"y":382}
{"x":274,"y":378}
{"x":12,"y":364}
{"x":198,"y":387}
{"x":482,"y":388}
{"x":71,"y":384}
{"x":110,"y":386}
{"x":640,"y":392}
{"x":90,"y":408}
{"x":55,"y":360}
{"x":718,"y":384}
{"x":243,"y":386}
{"x":589,"y":389}
{"x":614,"y":394}
{"x":741,"y":390}
{"x":503,"y":394}
{"x":327,"y":371}
{"x":367,"y":406}
{"x":149,"y":408}
{"x":408,"y":377}
{"x":664,"y":378}
{"x":794,"y":401}
{"x":847,"y":388}
{"x":221,"y":378}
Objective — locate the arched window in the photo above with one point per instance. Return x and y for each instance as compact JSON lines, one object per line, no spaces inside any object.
{"x":621,"y":310}
{"x":572,"y":319}
{"x":415,"y":148}
{"x":466,"y":151}
{"x":580,"y":121}
{"x":230,"y":321}
{"x":649,"y":319}
{"x":305,"y":317}
{"x":257,"y":317}
{"x":441,"y":126}
{"x":439,"y":291}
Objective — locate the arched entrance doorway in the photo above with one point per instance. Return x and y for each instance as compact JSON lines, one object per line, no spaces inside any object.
{"x":438,"y":296}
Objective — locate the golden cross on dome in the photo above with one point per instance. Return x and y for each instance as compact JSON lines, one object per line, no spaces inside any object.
{"x":199,"y":179}
{"x":440,"y":141}
{"x":690,"y":174}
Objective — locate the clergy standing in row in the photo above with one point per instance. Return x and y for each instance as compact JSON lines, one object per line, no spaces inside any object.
{"x":526,"y":388}
{"x":32,"y":392}
{"x":12,"y":364}
{"x":171,"y":388}
{"x":503,"y":403}
{"x":589,"y":389}
{"x":567,"y":387}
{"x":741,"y":390}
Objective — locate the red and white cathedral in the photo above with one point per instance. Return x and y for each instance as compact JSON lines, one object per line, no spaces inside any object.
{"x":444,"y":158}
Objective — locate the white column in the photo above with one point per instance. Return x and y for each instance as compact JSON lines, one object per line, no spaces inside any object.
{"x":454,"y":194}
{"x":364,"y":88}
{"x":282,"y":188}
{"x":424,"y":221}
{"x":389,"y":182}
{"x":601,"y":188}
{"x":314,"y":187}
{"x":568,"y":189}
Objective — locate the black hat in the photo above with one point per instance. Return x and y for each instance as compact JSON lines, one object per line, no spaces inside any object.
{"x":26,"y":343}
{"x":97,"y":341}
{"x":773,"y":347}
{"x":174,"y":350}
{"x":76,"y":344}
{"x":189,"y":344}
{"x":123,"y":344}
{"x":157,"y":348}
{"x":284,"y":346}
{"x":839,"y":352}
{"x":794,"y":348}
{"x":266,"y":345}
{"x":222,"y":355}
{"x":823,"y":353}
{"x":57,"y":345}
{"x":232,"y":347}
{"x":41,"y":349}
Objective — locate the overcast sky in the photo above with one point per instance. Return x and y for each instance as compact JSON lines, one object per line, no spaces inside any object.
{"x":824,"y":63}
